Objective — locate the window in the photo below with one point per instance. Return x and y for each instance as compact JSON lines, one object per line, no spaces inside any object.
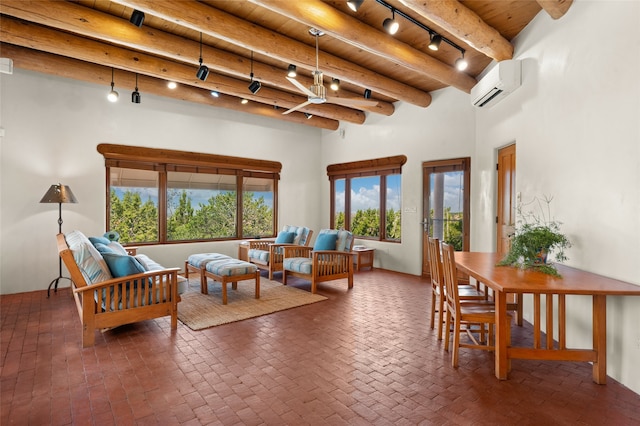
{"x":164,"y":196}
{"x":366,"y":197}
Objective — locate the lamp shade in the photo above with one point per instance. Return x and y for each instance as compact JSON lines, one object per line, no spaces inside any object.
{"x":59,"y":194}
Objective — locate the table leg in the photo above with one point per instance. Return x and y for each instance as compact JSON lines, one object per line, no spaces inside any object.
{"x":502,"y":333}
{"x":600,"y":338}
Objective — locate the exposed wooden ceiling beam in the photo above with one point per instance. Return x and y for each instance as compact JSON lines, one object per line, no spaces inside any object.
{"x":61,"y":66}
{"x":350,"y":30}
{"x":199,"y":17}
{"x":464,"y":24}
{"x":41,"y":38}
{"x":88,"y":22}
{"x":555,"y":8}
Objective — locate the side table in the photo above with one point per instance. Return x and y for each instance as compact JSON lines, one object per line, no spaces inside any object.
{"x":363,"y":258}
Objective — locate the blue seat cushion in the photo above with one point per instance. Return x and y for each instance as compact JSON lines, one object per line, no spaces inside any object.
{"x":230,"y":267}
{"x":261,"y":256}
{"x":200,"y":259}
{"x":302,"y":265}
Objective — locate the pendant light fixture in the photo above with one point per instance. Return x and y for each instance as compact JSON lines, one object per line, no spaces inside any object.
{"x":254,"y":86}
{"x":292,"y":71}
{"x":203,"y":70}
{"x":135,"y":95}
{"x":113,"y":95}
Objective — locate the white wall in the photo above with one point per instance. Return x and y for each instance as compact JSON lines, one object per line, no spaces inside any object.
{"x":443,"y":130}
{"x":575,"y":122}
{"x":52,"y":127}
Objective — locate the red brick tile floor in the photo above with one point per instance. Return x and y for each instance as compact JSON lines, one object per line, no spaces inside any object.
{"x":363,"y":357}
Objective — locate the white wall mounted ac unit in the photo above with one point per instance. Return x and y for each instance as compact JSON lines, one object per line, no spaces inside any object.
{"x":500,"y":81}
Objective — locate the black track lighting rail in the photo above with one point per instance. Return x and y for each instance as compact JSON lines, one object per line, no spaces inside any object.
{"x":420,"y":24}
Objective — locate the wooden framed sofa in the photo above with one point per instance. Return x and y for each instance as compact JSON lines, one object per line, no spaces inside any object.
{"x":105,"y":302}
{"x":267,"y":255}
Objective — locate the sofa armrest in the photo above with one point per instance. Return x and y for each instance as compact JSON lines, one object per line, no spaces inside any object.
{"x":163,"y":275}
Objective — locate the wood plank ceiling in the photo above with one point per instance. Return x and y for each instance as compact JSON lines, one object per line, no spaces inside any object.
{"x":87,"y":39}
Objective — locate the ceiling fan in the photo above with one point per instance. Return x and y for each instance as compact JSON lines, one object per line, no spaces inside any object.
{"x":317,"y":93}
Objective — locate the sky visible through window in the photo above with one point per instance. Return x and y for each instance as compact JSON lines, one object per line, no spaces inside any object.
{"x":367,"y":193}
{"x":453,"y":190}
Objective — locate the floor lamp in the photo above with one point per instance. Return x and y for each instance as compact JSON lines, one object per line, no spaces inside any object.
{"x":58,"y":194}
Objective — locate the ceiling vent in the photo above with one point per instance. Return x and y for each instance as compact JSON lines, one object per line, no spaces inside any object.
{"x":501,"y":80}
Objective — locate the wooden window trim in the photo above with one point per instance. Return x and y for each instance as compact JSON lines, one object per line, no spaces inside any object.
{"x":381,"y":167}
{"x":185,"y":158}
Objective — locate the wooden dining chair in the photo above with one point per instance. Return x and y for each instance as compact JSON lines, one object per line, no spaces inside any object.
{"x":438,"y":291}
{"x":467,"y":317}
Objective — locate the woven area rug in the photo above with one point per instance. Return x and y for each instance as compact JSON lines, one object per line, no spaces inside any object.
{"x":199,"y":311}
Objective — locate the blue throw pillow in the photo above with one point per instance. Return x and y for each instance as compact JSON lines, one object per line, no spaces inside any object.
{"x":121,"y":266}
{"x":325,"y":242}
{"x":99,"y":240}
{"x":103,"y":248}
{"x":285,"y":237}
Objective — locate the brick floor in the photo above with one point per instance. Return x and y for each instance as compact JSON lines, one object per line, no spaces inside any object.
{"x":365,"y":356}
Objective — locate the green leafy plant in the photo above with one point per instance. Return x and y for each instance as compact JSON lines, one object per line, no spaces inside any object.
{"x":537,"y":235}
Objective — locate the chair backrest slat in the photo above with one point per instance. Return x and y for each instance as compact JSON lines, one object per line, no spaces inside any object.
{"x":450,"y":273}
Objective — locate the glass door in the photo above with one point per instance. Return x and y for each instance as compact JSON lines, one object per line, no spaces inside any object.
{"x":446,"y":197}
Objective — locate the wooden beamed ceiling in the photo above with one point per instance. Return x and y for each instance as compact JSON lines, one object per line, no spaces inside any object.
{"x":85,"y":39}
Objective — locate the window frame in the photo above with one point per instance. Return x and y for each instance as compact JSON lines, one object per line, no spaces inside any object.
{"x":166,"y":160}
{"x":380,"y":167}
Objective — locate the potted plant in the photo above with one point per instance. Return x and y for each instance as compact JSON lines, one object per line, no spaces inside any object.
{"x":537,"y":235}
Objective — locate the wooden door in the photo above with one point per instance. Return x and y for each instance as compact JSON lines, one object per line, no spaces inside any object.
{"x":506,"y":198}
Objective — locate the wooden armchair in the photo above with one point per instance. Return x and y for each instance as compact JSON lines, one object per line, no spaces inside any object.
{"x":268,"y":255}
{"x":329,"y":259}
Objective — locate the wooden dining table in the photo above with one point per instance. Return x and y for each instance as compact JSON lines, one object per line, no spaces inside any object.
{"x":507,"y":280}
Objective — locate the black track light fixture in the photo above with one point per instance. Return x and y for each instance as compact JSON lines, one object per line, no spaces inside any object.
{"x":203,"y":70}
{"x":335,"y":84}
{"x":434,"y":44}
{"x":306,"y":114}
{"x":135,"y":95}
{"x":435,"y":39}
{"x":292,"y":71}
{"x":137,"y":18}
{"x":390,"y":25}
{"x":355,"y":4}
{"x":367,"y":93}
{"x":254,"y":86}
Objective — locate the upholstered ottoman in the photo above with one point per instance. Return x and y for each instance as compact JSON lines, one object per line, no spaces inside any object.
{"x":196,"y":262}
{"x":229,"y":271}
